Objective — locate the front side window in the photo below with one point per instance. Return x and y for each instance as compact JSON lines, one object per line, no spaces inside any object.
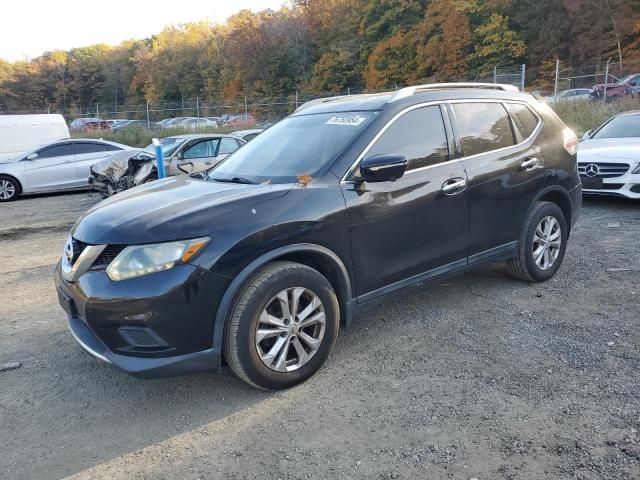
{"x":202,"y":149}
{"x":418,"y":135}
{"x":56,"y":151}
{"x":624,"y":126}
{"x":300,"y":145}
{"x":227,"y":146}
{"x":482,"y":127}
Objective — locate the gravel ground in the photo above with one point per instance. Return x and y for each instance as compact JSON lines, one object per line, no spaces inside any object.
{"x":480,"y":376}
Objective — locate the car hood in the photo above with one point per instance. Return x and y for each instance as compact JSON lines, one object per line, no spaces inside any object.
{"x":169,"y":209}
{"x":601,"y":149}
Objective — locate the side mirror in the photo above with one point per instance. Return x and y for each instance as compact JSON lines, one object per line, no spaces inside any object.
{"x":383,"y":168}
{"x":586,"y":135}
{"x":33,"y":156}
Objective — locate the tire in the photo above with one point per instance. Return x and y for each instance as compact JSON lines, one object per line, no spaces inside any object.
{"x":524,"y":266}
{"x":253,"y":361}
{"x":9,"y":188}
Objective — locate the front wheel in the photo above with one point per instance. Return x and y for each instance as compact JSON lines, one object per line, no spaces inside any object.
{"x":542,"y":244}
{"x":9,"y":189}
{"x":282,"y":326}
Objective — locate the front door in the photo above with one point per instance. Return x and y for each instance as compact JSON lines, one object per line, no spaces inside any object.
{"x":53,"y":168}
{"x":414,"y":228}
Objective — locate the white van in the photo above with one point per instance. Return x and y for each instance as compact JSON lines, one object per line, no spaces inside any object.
{"x":21,"y":133}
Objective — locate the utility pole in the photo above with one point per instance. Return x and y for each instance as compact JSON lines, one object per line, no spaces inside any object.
{"x":606,"y":79}
{"x":555,"y":85}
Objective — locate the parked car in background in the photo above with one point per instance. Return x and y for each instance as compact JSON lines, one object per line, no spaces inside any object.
{"x":247,"y":135}
{"x":84,"y":125}
{"x":22,"y":133}
{"x":609,"y":157}
{"x":183,"y":154}
{"x":240,"y":121}
{"x":572,"y":95}
{"x":172,"y":122}
{"x":57,"y":166}
{"x":134,"y":124}
{"x":629,"y":85}
{"x":261,"y":260}
{"x":196,"y":123}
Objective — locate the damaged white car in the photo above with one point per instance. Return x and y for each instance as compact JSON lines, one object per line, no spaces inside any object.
{"x":183,"y":154}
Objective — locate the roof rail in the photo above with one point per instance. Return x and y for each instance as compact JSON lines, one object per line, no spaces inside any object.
{"x":408,"y":91}
{"x":317,"y":101}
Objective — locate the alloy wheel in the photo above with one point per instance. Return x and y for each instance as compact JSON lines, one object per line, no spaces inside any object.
{"x":7,"y":189}
{"x":547,"y":241}
{"x":290,"y":329}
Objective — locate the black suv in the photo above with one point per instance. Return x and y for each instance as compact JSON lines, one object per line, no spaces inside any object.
{"x":259,"y":261}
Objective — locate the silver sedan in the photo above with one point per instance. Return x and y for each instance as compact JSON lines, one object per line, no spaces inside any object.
{"x":57,"y":166}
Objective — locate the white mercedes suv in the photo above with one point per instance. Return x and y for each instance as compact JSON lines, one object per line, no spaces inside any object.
{"x":609,"y":157}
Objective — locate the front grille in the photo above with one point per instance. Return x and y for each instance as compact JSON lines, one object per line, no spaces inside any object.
{"x":607,"y":186}
{"x":107,"y":256}
{"x":103,"y":260}
{"x":606,"y":170}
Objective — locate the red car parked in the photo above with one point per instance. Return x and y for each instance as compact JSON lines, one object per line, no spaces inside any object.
{"x":629,"y":85}
{"x":88,"y":124}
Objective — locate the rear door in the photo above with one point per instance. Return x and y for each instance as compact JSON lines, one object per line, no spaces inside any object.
{"x":416,"y":227}
{"x":88,"y":154}
{"x":53,"y":169}
{"x":504,"y":167}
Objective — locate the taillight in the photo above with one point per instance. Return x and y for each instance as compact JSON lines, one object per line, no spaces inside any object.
{"x":570,"y":141}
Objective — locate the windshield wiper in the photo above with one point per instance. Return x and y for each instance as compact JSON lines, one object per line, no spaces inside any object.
{"x":242,"y":180}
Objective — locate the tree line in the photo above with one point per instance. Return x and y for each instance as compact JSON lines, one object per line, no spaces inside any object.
{"x":320,"y":46}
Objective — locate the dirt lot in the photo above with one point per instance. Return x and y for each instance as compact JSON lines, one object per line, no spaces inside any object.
{"x":477,"y":377}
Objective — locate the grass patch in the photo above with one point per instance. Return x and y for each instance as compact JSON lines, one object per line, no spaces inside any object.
{"x":141,"y":137}
{"x":583,"y":116}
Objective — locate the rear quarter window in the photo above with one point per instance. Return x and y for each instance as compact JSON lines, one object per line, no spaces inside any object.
{"x":482,"y":127}
{"x":524,"y":119}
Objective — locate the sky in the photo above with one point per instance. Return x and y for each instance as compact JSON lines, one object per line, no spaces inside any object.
{"x":31,"y":27}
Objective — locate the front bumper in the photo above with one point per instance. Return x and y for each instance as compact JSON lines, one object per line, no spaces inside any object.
{"x":627,"y":186}
{"x":176,"y":310}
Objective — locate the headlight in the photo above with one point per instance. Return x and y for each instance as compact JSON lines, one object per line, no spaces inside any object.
{"x":139,"y":260}
{"x":637,"y":169}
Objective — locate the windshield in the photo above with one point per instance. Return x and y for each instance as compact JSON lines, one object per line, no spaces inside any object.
{"x":295,"y":147}
{"x":624,"y":126}
{"x":169,"y":146}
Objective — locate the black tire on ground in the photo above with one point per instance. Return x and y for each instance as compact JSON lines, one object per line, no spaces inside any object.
{"x":7,"y":181}
{"x":240,"y":350}
{"x":523,"y":265}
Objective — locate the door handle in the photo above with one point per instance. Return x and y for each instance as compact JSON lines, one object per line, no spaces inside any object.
{"x":529,"y":162}
{"x":453,"y":186}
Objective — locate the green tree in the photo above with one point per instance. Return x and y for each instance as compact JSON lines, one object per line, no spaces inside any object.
{"x":496,"y":45}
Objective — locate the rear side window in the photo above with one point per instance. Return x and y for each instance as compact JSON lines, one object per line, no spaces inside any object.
{"x":524,"y":119}
{"x":56,"y":151}
{"x":482,"y":127}
{"x":89,"y":147}
{"x":418,"y":135}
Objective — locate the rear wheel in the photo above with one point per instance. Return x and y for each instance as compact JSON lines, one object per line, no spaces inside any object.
{"x":282,"y":327}
{"x":541,"y":245}
{"x":9,"y":189}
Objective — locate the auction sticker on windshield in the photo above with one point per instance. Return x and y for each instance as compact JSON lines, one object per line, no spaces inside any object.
{"x":349,"y":120}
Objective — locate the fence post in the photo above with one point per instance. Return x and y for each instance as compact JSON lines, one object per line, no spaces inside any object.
{"x":555,"y":85}
{"x":198,"y":107}
{"x":606,"y":79}
{"x":148,"y":119}
{"x":296,"y":99}
{"x":98,"y":110}
{"x":246,"y":110}
{"x":495,"y":75}
{"x":524,"y":71}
